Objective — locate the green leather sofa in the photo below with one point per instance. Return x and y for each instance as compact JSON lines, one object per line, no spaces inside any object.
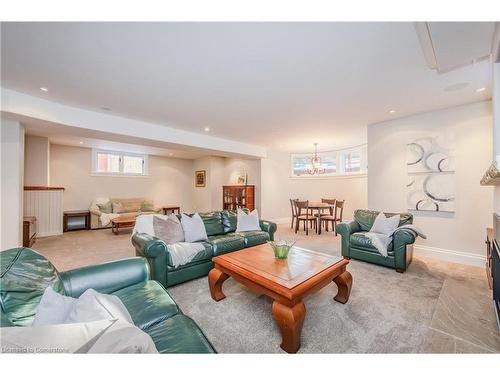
{"x":222,"y":239}
{"x":357,"y":246}
{"x":25,"y":274}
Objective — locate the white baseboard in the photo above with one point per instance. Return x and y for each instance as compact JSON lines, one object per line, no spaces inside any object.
{"x":48,"y":234}
{"x":452,"y":256}
{"x":281,"y":220}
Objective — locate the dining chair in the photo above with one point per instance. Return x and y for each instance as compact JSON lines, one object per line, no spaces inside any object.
{"x":334,"y":217}
{"x":330,"y":202}
{"x":338,"y":217}
{"x":294,"y":211}
{"x":308,"y":219}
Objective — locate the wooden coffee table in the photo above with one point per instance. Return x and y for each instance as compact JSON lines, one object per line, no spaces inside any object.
{"x":287,"y":282}
{"x":122,"y":222}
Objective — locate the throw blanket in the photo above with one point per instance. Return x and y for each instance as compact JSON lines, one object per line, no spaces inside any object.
{"x":102,"y":336}
{"x":180,"y":252}
{"x":106,"y":218}
{"x":381,"y":242}
{"x":183,"y":252}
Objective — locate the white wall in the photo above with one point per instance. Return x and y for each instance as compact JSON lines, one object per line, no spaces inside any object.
{"x":496,"y":128}
{"x":208,"y":197}
{"x":170,"y":180}
{"x":217,"y":179}
{"x":12,"y":185}
{"x":36,"y":161}
{"x":223,"y":171}
{"x":278,"y":187}
{"x":234,"y":168}
{"x":455,"y":237}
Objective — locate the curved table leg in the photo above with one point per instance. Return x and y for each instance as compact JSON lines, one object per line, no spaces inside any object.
{"x":215,"y":280}
{"x":344,"y":284}
{"x":290,"y":321}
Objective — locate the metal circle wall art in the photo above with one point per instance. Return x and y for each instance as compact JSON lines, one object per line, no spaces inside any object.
{"x":430,"y":163}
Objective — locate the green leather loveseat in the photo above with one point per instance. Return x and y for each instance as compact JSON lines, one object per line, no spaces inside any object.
{"x":222,"y":239}
{"x":357,"y":246}
{"x":25,"y":274}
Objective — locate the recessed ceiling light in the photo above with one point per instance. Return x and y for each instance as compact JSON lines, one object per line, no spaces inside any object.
{"x":481,"y":89}
{"x":392,"y":111}
{"x":81,"y":142}
{"x":207,"y":129}
{"x":44,"y":89}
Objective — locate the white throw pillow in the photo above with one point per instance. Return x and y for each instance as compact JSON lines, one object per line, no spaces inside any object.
{"x":92,"y":305}
{"x":53,"y":308}
{"x":247,"y":222}
{"x":103,"y":336}
{"x":385,"y":225}
{"x":194,"y":229}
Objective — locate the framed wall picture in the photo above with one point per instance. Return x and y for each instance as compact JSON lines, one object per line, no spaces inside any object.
{"x":241,"y":180}
{"x":200,"y":178}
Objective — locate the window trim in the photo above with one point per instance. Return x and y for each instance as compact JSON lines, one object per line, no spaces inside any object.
{"x":95,"y":172}
{"x":339,"y":161}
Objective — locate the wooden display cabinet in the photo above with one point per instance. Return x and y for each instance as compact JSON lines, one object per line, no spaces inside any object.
{"x":238,"y":196}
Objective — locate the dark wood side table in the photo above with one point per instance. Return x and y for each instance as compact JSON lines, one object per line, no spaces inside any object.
{"x":69,"y":218}
{"x":29,"y":231}
{"x":171,"y":209}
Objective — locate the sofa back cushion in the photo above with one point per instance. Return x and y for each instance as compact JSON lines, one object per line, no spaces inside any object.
{"x":147,"y":206}
{"x":128,"y":204}
{"x":24,"y":276}
{"x":230,"y":220}
{"x":213,"y":222}
{"x":366,"y":218}
{"x":105,"y":208}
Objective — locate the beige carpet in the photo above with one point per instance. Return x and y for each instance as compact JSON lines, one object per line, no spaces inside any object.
{"x":435,"y":307}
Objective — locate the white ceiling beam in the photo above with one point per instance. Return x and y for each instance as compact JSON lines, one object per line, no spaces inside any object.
{"x":20,"y":104}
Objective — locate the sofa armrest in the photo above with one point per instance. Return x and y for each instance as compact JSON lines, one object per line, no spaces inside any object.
{"x":404,"y":236}
{"x":156,"y":253}
{"x":269,"y":227}
{"x":105,"y":278}
{"x":400,"y":240}
{"x":95,"y":211}
{"x":345,"y":229}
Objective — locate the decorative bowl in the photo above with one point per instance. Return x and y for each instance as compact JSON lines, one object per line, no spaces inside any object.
{"x":281,"y":248}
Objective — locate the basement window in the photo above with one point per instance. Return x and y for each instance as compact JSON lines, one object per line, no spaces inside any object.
{"x":336,"y":163}
{"x":352,"y":161}
{"x":114,"y":163}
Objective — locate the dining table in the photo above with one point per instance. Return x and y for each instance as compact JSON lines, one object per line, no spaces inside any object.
{"x":320,"y":207}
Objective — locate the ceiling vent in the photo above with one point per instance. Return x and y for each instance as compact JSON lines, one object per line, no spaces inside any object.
{"x":451,"y":45}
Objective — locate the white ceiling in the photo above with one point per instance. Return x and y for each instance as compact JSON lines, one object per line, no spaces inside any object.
{"x":282,"y":85}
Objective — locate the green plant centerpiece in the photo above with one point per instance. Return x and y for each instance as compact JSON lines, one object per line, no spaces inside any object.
{"x":281,"y":248}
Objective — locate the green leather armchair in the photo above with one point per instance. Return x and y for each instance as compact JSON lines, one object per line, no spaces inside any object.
{"x":355,"y":245}
{"x":25,"y":274}
{"x":222,"y":239}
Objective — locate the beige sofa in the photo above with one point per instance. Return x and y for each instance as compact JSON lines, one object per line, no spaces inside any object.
{"x":131,"y":207}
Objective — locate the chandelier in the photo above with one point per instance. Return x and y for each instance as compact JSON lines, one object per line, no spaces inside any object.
{"x":315,"y":163}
